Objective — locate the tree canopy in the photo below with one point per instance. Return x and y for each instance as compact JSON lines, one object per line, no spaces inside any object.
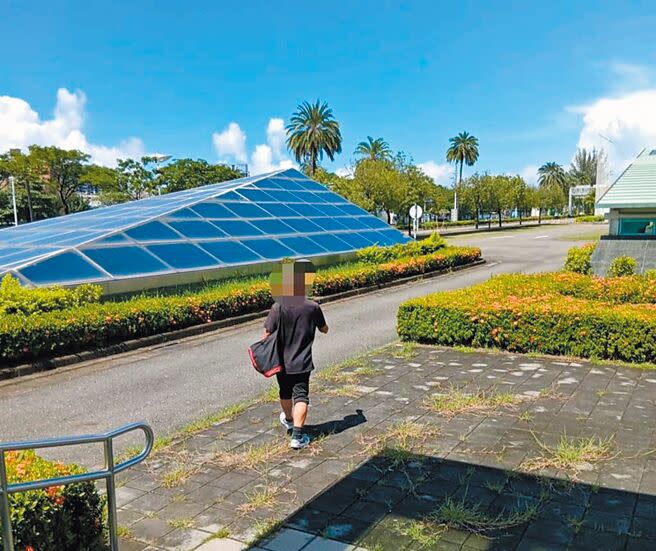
{"x":375,"y":150}
{"x":313,"y":131}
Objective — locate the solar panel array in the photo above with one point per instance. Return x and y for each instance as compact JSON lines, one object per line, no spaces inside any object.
{"x":240,"y":222}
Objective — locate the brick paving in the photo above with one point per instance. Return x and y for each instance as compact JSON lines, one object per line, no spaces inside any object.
{"x":386,"y":472}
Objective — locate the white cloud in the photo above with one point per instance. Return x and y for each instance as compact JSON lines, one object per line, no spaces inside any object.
{"x":276,"y":135}
{"x":530,"y":174}
{"x":230,"y":145}
{"x":231,"y":142}
{"x":345,"y":172}
{"x":440,"y":173}
{"x":628,"y":121}
{"x":627,"y":76}
{"x":21,"y":126}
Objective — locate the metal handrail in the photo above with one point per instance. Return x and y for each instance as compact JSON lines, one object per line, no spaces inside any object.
{"x":108,"y":473}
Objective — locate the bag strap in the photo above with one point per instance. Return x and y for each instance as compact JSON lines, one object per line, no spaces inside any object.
{"x":281,"y":334}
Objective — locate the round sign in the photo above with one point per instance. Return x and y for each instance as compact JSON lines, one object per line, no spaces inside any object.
{"x":415,"y":212}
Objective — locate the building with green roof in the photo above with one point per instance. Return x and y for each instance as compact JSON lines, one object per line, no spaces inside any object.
{"x":631,"y":202}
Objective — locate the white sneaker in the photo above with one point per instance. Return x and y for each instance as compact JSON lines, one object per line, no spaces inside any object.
{"x":297,"y":444}
{"x":289,"y":425}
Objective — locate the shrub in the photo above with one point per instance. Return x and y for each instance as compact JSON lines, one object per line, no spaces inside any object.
{"x":566,"y":314}
{"x":94,"y":325}
{"x":15,"y":299}
{"x":588,"y":219}
{"x":622,"y":266}
{"x":650,"y":274}
{"x":377,"y":254}
{"x":59,"y":518}
{"x":578,"y":259}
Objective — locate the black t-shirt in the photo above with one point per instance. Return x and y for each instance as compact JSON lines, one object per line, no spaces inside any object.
{"x":300,"y":322}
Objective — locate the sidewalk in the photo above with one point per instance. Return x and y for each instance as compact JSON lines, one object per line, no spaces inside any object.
{"x":417,"y":448}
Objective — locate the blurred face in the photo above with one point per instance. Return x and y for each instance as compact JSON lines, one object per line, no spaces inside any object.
{"x":292,"y":282}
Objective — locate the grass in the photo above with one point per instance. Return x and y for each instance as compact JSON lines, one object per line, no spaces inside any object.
{"x":251,"y":457}
{"x":457,"y":514}
{"x":266,"y":498}
{"x":123,"y":532}
{"x":179,"y":475}
{"x":570,"y":454}
{"x":404,"y":351}
{"x":181,"y":523}
{"x":218,"y":535}
{"x":594,"y":235}
{"x":400,"y":443}
{"x":527,"y":417}
{"x":456,"y":402}
{"x":264,"y":529}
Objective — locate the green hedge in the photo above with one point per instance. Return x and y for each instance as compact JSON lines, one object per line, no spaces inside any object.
{"x":579,"y":259}
{"x":563,"y":314}
{"x":95,"y":325}
{"x":60,"y":518}
{"x":589,"y":218}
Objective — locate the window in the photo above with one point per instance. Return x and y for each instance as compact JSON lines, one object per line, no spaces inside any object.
{"x":237,"y":228}
{"x":198,"y":229}
{"x":247,"y":210}
{"x":182,"y":255}
{"x":329,"y":223}
{"x":123,"y":261}
{"x":279,"y":210}
{"x":356,"y":240}
{"x":637,"y":226}
{"x":256,"y":195}
{"x":269,"y":248}
{"x":230,"y":252}
{"x":64,"y":267}
{"x":184,"y":214}
{"x":302,"y":245}
{"x":302,"y":225}
{"x":213,"y":210}
{"x":153,"y":231}
{"x":331,"y":243}
{"x":272,"y":227}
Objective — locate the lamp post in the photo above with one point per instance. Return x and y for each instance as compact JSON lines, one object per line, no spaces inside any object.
{"x":13,"y":198}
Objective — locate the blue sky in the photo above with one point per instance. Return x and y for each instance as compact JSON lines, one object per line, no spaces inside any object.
{"x":530,"y":79}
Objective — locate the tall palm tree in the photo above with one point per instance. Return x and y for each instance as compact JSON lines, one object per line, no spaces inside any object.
{"x":552,"y":174}
{"x":463,"y":150}
{"x":377,"y":149}
{"x":313,"y":131}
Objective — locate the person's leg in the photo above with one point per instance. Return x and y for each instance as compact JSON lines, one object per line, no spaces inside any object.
{"x":300,"y":397}
{"x":286,"y":391}
{"x":300,"y":414}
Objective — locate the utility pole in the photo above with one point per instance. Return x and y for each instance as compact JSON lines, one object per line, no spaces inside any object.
{"x":13,"y":198}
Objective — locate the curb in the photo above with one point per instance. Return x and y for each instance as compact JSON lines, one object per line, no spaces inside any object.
{"x":7,"y":374}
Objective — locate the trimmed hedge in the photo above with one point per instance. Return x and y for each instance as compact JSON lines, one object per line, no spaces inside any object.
{"x":95,"y":325}
{"x":588,"y":218}
{"x":560,"y":313}
{"x":579,"y":259}
{"x":622,"y":266}
{"x":59,"y":518}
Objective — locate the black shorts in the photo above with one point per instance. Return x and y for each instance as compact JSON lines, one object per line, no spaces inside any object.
{"x":294,"y":387}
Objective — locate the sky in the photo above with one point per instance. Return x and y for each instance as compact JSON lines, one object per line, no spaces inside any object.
{"x":532,"y":80}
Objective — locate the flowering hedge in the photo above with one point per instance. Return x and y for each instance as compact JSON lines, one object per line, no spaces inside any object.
{"x":95,"y":325}
{"x":560,"y":313}
{"x":60,"y":518}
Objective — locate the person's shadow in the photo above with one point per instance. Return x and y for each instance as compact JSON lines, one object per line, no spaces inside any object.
{"x":335,"y":427}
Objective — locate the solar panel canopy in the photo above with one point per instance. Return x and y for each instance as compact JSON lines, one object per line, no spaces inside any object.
{"x":191,"y":235}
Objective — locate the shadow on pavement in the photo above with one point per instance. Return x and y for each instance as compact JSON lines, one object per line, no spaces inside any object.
{"x":398,"y":501}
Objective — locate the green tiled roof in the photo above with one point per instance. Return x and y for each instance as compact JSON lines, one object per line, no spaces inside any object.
{"x":636,"y":186}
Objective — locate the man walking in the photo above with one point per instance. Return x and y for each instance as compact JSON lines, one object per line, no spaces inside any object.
{"x":296,"y":318}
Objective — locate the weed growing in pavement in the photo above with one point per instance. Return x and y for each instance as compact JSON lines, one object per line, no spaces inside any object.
{"x":251,"y":457}
{"x":405,"y":351}
{"x":456,"y":402}
{"x":123,"y":532}
{"x":527,"y":417}
{"x":496,"y":486}
{"x":218,"y":535}
{"x":264,"y":529}
{"x":571,"y":454}
{"x":181,"y":523}
{"x":179,"y":475}
{"x":265,"y":498}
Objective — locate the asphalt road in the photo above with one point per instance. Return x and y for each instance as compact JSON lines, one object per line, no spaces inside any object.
{"x":173,"y":384}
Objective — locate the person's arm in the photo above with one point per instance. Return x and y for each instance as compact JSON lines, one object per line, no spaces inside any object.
{"x":321,"y":321}
{"x":271,"y":322}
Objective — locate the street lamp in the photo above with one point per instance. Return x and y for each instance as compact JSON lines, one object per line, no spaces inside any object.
{"x":159,"y":158}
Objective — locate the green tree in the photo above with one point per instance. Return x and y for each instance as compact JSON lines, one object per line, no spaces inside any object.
{"x":61,"y":171}
{"x":521,"y":198}
{"x":549,"y":197}
{"x":26,"y":176}
{"x":376,"y":150}
{"x":313,"y":131}
{"x":381,"y":186}
{"x":474,"y":194}
{"x":191,"y":173}
{"x":133,"y":181}
{"x":553,"y":174}
{"x":463,"y":150}
{"x":583,"y":169}
{"x":500,"y":194}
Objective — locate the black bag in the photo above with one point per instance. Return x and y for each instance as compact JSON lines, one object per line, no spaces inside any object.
{"x":267,"y":354}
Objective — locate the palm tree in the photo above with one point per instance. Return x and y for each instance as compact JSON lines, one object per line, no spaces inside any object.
{"x":313,"y":131}
{"x":463,"y":150}
{"x":552,"y":174}
{"x":377,"y":149}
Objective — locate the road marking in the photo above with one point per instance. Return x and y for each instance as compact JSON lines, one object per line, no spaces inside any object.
{"x":542,"y":237}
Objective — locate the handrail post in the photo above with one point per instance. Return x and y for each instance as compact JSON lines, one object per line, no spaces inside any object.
{"x":111,"y":495}
{"x":5,"y":513}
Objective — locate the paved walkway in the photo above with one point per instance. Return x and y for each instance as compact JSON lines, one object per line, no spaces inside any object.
{"x":417,"y":448}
